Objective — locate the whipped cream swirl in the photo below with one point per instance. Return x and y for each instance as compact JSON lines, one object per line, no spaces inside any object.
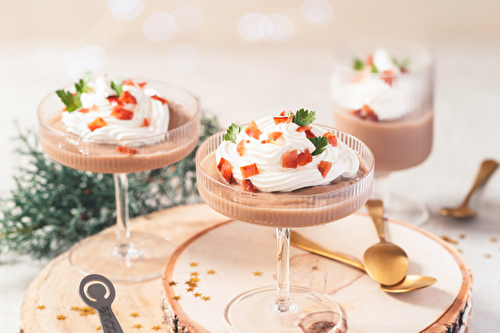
{"x":135,"y":130}
{"x":272,"y":176}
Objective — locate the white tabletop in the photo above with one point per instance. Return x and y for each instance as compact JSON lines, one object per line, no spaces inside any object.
{"x":249,"y":83}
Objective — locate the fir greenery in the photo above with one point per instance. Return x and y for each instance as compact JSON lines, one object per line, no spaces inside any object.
{"x":53,"y":206}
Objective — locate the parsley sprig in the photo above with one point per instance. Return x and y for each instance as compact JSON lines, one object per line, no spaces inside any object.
{"x":73,"y":101}
{"x":320,"y":143}
{"x":117,"y":85}
{"x":403,"y":64}
{"x":231,"y":133}
{"x":304,"y":117}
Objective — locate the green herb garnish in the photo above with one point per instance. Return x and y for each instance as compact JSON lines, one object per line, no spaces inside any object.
{"x":73,"y":102}
{"x":117,"y":86}
{"x":304,"y":117}
{"x":82,"y":86}
{"x":403,"y":65}
{"x":359,"y":64}
{"x":320,"y":142}
{"x":231,"y":133}
{"x":374,"y":69}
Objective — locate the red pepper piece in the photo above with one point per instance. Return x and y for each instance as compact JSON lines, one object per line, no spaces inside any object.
{"x":253,"y":131}
{"x":162,"y":100}
{"x":248,"y":171}
{"x":324,"y":167}
{"x":226,"y":170}
{"x":247,"y":186}
{"x":290,"y":159}
{"x":122,"y":113}
{"x":240,"y":148}
{"x":97,"y":123}
{"x":127,"y":98}
{"x":332,"y":139}
{"x":127,"y":150}
{"x":304,"y":158}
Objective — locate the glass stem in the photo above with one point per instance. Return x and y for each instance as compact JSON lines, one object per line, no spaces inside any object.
{"x":381,"y":188}
{"x":283,"y":303}
{"x":122,"y":232}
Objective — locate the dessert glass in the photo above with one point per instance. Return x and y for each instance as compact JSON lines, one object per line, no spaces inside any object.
{"x":400,"y":142}
{"x":283,"y":308}
{"x":123,"y":256}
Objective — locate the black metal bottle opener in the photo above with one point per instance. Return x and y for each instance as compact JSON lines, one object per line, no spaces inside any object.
{"x":96,"y":299}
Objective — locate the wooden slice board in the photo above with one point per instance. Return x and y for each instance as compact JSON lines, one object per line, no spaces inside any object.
{"x":235,"y":251}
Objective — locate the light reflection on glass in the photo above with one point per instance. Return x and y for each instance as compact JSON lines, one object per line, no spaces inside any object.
{"x":77,"y":62}
{"x":256,"y":27}
{"x":131,"y":13}
{"x":159,"y":27}
{"x":189,"y":19}
{"x":183,"y":58}
{"x":317,"y":12}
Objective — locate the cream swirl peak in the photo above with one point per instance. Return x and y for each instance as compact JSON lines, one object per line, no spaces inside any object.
{"x":283,"y":154}
{"x":114,"y":110}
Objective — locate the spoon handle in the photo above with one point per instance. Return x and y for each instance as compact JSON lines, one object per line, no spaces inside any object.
{"x":376,"y":211}
{"x":488,"y":167}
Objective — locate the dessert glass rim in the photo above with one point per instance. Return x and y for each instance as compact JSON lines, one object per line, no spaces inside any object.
{"x":194,"y":117}
{"x":284,"y":194}
{"x":429,"y":65}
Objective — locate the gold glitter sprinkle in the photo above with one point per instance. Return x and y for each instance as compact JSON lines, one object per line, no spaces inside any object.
{"x":134,"y":314}
{"x":176,"y":297}
{"x":192,"y":284}
{"x":40,"y":307}
{"x":197,"y":295}
{"x":172,"y":283}
{"x":137,"y":326}
{"x":449,"y":240}
{"x":487,"y":255}
{"x":156,"y":328}
{"x":494,"y":239}
{"x":61,"y":317}
{"x":193,"y":264}
{"x":190,"y":289}
{"x":206,"y":298}
{"x":257,"y":273}
{"x":211,"y":272}
{"x":195,"y":274}
{"x":98,"y":328}
{"x":195,"y":279}
{"x":87,"y":311}
{"x":75,"y":308}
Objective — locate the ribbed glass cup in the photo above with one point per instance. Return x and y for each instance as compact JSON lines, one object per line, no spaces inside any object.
{"x":284,"y":308}
{"x":400,"y":142}
{"x":124,"y":256}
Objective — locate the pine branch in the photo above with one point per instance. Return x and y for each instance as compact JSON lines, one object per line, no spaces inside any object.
{"x":53,"y":206}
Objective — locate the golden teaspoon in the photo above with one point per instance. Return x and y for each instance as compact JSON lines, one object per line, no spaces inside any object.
{"x":410,"y":282}
{"x":488,"y":167}
{"x":385,"y":262}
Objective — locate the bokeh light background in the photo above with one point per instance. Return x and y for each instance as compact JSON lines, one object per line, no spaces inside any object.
{"x":243,"y":58}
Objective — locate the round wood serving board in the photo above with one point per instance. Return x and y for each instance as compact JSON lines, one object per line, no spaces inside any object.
{"x":233,"y":257}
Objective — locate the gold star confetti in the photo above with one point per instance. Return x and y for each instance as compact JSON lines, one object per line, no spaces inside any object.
{"x":87,"y":311}
{"x":61,"y":317}
{"x":98,"y":328}
{"x":494,"y":239}
{"x":40,"y":307}
{"x":156,"y":328}
{"x":193,"y":264}
{"x":195,"y":274}
{"x":211,"y":272}
{"x":197,"y":295}
{"x":190,"y":289}
{"x":75,"y":308}
{"x":137,"y":326}
{"x":487,"y":255}
{"x":195,"y":279}
{"x":449,"y":240}
{"x":192,"y":284}
{"x":134,"y":314}
{"x":257,"y":273}
{"x":206,"y":298}
{"x":172,"y":283}
{"x":176,"y":297}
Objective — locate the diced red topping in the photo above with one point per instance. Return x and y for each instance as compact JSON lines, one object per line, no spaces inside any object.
{"x":404,"y":70}
{"x":226,"y":170}
{"x":131,"y":83}
{"x":122,"y":113}
{"x":303,"y":128}
{"x":324,"y":167}
{"x":332,"y":139}
{"x":387,"y":77}
{"x":84,"y":110}
{"x":64,"y":109}
{"x":247,"y":186}
{"x":290,"y":159}
{"x":162,"y":100}
{"x":309,"y":134}
{"x":127,"y":98}
{"x":97,"y":123}
{"x":369,"y":60}
{"x":283,"y":119}
{"x":114,"y":99}
{"x":240,"y":148}
{"x":273,"y":136}
{"x":253,"y":131}
{"x":95,"y":107}
{"x":304,"y":158}
{"x":283,"y":113}
{"x":365,"y":113}
{"x":248,"y":171}
{"x":127,"y":150}
{"x":146,"y":122}
{"x":247,"y":141}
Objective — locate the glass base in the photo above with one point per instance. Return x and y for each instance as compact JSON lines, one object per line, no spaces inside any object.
{"x":401,"y":208}
{"x":311,"y":311}
{"x":144,"y":259}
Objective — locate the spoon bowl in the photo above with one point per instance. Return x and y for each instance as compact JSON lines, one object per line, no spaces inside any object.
{"x":385,"y":262}
{"x":462,"y":212}
{"x":410,"y":283}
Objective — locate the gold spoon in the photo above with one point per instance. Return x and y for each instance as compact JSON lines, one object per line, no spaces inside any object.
{"x":410,"y":282}
{"x":385,"y":262}
{"x":488,"y":167}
